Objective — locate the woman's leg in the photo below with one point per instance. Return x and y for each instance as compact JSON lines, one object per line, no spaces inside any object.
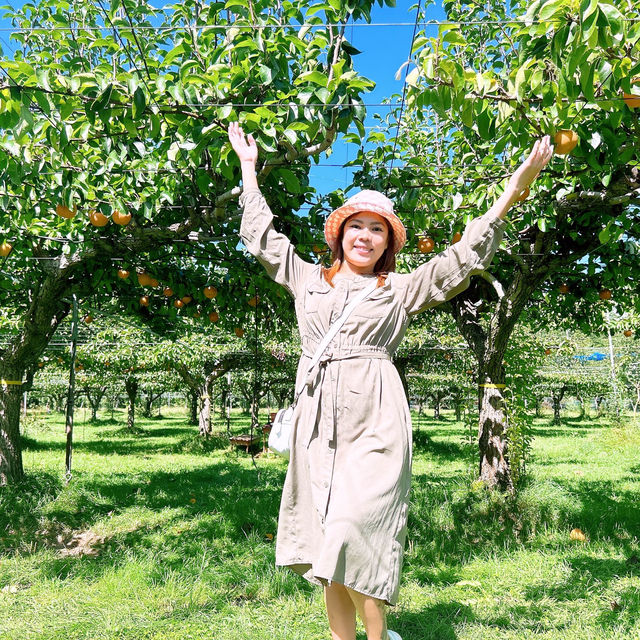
{"x":341,"y":612}
{"x":373,"y":614}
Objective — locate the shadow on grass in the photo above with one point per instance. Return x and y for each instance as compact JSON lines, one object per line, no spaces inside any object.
{"x":556,"y":431}
{"x":448,"y":450}
{"x":621,"y":610}
{"x":432,"y":623}
{"x":183,"y":513}
{"x":451,"y":520}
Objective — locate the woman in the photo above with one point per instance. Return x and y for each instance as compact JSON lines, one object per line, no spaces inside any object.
{"x":343,"y":513}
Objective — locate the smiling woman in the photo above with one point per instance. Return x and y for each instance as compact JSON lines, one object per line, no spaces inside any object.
{"x":364,"y":240}
{"x":343,"y":514}
{"x":364,"y":235}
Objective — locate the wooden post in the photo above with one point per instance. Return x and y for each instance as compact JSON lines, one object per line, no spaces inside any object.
{"x":71,"y":391}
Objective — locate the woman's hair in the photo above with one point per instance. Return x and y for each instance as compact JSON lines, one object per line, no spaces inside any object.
{"x":386,"y":262}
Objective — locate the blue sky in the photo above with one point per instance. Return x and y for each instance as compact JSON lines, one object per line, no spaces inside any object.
{"x":384,"y":49}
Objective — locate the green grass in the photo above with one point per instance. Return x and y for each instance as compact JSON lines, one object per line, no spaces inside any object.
{"x":159,"y":537}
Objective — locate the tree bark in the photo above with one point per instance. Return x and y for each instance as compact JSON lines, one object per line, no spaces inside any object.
{"x":494,"y":469}
{"x":95,"y":399}
{"x":149,"y":399}
{"x":131,"y":387}
{"x":193,"y":407}
{"x":206,"y":407}
{"x":488,"y":342}
{"x":458,"y":408}
{"x":11,"y":469}
{"x":557,"y":399}
{"x":437,"y":398}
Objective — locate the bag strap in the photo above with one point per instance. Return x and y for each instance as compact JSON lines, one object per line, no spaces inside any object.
{"x":335,"y":327}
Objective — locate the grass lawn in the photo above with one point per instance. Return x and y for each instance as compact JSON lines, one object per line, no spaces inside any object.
{"x":158,"y":537}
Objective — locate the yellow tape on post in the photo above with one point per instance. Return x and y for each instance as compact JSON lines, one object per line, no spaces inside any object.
{"x":490,"y":385}
{"x":2,"y":381}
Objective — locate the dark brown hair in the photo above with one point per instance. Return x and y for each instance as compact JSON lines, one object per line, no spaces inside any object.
{"x":385,"y":264}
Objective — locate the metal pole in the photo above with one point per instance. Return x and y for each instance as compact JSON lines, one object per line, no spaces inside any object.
{"x":613,"y":369}
{"x":71,"y":390}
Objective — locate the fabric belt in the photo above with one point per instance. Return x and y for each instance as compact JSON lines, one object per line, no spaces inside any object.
{"x":342,"y":354}
{"x":364,"y":351}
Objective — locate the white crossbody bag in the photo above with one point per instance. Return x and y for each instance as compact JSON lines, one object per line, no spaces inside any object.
{"x":282,"y":426}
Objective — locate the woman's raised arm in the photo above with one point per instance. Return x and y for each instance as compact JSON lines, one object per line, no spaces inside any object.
{"x":272,"y":249}
{"x":247,"y":152}
{"x":523,"y":176}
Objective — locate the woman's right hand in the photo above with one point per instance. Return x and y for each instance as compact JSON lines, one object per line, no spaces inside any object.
{"x":246,"y":150}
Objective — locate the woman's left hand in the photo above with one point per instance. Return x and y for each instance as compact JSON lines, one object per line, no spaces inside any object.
{"x":528,"y":171}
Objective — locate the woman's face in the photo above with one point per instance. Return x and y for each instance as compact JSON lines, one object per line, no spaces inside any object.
{"x":364,"y":239}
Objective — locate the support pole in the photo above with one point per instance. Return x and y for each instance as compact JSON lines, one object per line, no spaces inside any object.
{"x":613,"y":370}
{"x":71,"y":391}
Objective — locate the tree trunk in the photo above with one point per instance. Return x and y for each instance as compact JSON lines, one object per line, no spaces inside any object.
{"x":59,"y":400}
{"x":206,"y":403}
{"x":11,"y":469}
{"x":224,"y":399}
{"x":149,"y":399}
{"x":581,"y":404}
{"x":492,"y":431}
{"x":556,"y":409}
{"x":458,"y":403}
{"x":131,"y":387}
{"x":146,"y":407}
{"x":436,"y":406}
{"x":193,"y":407}
{"x":95,"y":399}
{"x":204,"y":415}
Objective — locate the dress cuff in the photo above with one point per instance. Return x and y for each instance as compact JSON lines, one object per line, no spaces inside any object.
{"x":247,"y":192}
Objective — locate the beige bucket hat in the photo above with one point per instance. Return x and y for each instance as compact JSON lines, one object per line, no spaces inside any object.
{"x":365,"y":200}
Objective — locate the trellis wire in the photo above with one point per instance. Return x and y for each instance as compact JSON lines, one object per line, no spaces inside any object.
{"x":291,"y":25}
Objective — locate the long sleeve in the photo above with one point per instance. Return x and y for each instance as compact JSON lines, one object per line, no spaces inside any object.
{"x":272,"y":249}
{"x":448,"y":273}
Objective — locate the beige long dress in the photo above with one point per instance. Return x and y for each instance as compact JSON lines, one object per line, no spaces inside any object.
{"x":343,"y":514}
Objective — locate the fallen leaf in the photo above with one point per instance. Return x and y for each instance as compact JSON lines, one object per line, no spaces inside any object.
{"x":578,"y":535}
{"x":10,"y":588}
{"x":468,"y":583}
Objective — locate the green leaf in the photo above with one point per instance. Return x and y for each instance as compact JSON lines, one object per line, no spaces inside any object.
{"x":587,"y":7}
{"x":587,"y":70}
{"x":467,"y":113}
{"x":139,"y":103}
{"x":174,"y":53}
{"x":204,"y":182}
{"x":66,"y":109}
{"x":102,"y":101}
{"x":604,"y":235}
{"x":290,"y":180}
{"x":550,"y":9}
{"x":312,"y":76}
{"x":154,"y":120}
{"x":265,"y":74}
{"x":613,"y":17}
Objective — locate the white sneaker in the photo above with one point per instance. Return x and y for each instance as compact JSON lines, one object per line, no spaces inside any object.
{"x":393,"y":635}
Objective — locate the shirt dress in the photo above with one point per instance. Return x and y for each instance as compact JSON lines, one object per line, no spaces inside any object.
{"x":343,"y":513}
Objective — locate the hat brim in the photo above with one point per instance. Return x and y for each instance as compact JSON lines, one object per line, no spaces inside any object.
{"x":337,"y":217}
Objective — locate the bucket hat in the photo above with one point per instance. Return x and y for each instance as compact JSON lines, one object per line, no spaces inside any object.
{"x":365,"y":200}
